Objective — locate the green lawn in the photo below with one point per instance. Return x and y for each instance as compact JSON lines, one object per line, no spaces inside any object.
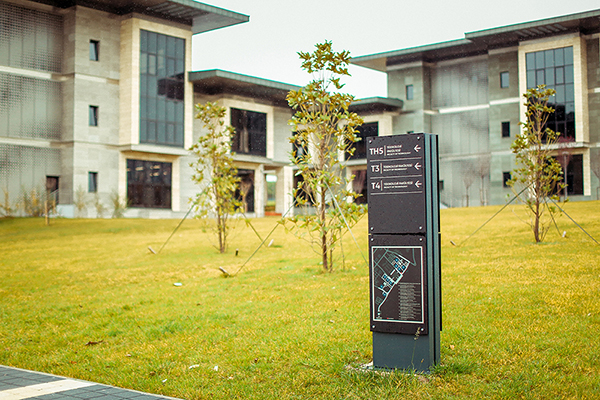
{"x":520,"y":320}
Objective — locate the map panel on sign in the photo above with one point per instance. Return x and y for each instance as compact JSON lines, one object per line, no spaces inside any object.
{"x":397,"y":279}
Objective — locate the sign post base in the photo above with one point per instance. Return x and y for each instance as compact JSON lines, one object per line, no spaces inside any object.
{"x":402,"y":352}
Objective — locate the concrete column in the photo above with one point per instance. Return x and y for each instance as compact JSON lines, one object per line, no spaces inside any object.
{"x":259,"y":191}
{"x":284,"y":193}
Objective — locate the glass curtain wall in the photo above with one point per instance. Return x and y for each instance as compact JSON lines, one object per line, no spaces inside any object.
{"x":554,"y":68}
{"x":162,"y":81}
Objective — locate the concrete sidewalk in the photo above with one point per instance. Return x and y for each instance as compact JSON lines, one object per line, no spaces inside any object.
{"x":16,"y":384}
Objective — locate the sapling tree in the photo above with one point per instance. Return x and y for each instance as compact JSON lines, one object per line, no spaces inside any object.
{"x":536,"y":169}
{"x":325,"y":130}
{"x":215,"y":171}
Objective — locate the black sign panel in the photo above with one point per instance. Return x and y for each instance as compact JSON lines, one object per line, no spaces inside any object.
{"x":398,"y":284}
{"x":396,"y":184}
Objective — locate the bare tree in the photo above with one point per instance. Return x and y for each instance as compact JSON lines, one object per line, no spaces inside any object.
{"x":469,"y":173}
{"x":483,"y":170}
{"x":564,"y":158}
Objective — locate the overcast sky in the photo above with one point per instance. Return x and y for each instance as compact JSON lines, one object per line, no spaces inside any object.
{"x":267,"y":45}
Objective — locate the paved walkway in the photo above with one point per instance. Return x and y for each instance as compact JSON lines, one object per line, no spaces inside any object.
{"x":16,"y":384}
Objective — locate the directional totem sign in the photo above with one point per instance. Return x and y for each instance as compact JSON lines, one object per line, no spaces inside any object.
{"x":396,"y":184}
{"x":405,"y":303}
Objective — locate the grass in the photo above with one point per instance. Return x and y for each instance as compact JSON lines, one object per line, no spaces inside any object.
{"x":520,"y":320}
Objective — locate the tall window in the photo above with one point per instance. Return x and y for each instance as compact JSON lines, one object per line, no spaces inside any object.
{"x":506,"y":129}
{"x":359,"y":186}
{"x":250,"y":132}
{"x":162,"y":69}
{"x":245,"y":190}
{"x":149,"y":184}
{"x":574,"y":175}
{"x":93,"y":116}
{"x":299,"y":149}
{"x":360,"y":147}
{"x":410,"y":92}
{"x":92,"y":182}
{"x":554,"y":68}
{"x":52,"y":188}
{"x":506,"y":176}
{"x":94,"y":50}
{"x":504,"y":80}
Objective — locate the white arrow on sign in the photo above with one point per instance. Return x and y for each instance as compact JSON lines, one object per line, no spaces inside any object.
{"x":417,"y":148}
{"x":418,"y":184}
{"x":418,"y":166}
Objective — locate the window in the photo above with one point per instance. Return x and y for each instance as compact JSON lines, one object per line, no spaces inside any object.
{"x":302,"y":194}
{"x":149,"y":184}
{"x":360,"y":147}
{"x":506,"y":129}
{"x":410,"y":92}
{"x":250,"y":132}
{"x":162,"y":82}
{"x":245,"y":191}
{"x":93,"y":116}
{"x":299,"y":149}
{"x":94,"y":50}
{"x":440,"y":185}
{"x":506,"y":176}
{"x":52,"y":188}
{"x":504,"y":77}
{"x":92,"y":182}
{"x":574,"y":174}
{"x":359,"y":186}
{"x":554,"y":68}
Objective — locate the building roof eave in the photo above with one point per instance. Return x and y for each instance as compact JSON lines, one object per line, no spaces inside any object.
{"x":200,"y":16}
{"x":217,"y":81}
{"x":479,"y":42}
{"x":376,"y":105}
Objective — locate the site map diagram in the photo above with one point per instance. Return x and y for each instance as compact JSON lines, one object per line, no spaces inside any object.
{"x":397,"y":279}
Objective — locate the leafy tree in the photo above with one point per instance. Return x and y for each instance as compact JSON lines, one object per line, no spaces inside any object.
{"x":215,"y":172}
{"x":325,"y":130}
{"x":536,"y":169}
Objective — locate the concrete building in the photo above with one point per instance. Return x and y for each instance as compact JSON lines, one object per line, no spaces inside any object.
{"x":97,"y":100}
{"x":469,"y":92}
{"x":258,"y":110}
{"x":95,"y":97}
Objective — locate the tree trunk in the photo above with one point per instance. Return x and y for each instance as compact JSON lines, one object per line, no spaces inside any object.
{"x":536,"y":222}
{"x":322,"y":209}
{"x":220,"y":232}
